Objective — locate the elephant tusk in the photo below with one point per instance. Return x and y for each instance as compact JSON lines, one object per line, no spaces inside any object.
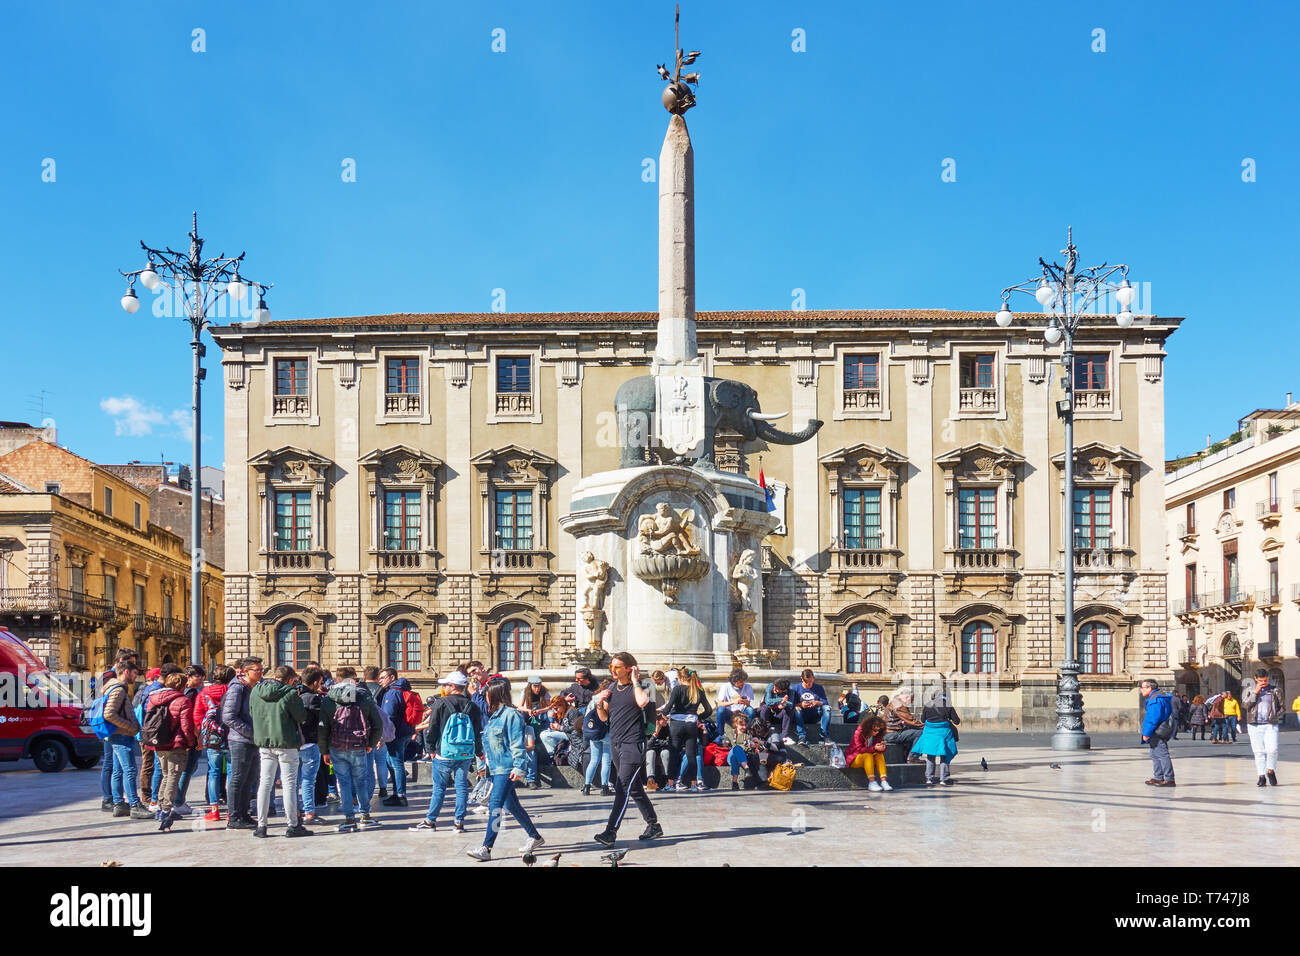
{"x":775,"y":417}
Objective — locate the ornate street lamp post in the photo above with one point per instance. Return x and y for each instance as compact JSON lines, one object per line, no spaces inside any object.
{"x":1066,"y":292}
{"x":201,"y":282}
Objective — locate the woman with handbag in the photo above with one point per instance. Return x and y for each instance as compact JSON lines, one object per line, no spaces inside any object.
{"x":867,"y":751}
{"x":595,"y":734}
{"x":938,"y":741}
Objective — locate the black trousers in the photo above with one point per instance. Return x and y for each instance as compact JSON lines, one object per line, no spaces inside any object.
{"x":628,"y":771}
{"x":683,"y":740}
{"x":245,"y":772}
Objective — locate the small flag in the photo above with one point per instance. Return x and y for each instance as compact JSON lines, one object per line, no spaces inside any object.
{"x":767,"y":492}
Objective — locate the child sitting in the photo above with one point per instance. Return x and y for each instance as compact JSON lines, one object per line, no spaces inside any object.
{"x":743,"y":750}
{"x":868,"y":752}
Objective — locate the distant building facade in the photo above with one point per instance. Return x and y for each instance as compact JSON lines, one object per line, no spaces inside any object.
{"x":394,"y":484}
{"x":1234,"y":571}
{"x":84,"y":569}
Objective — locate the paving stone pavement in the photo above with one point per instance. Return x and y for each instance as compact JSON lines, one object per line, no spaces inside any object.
{"x":1094,"y":811}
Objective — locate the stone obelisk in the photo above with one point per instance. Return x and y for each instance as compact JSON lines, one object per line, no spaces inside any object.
{"x":675,"y":334}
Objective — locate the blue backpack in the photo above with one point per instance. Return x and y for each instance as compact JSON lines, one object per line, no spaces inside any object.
{"x":102,"y":728}
{"x":457,"y":737}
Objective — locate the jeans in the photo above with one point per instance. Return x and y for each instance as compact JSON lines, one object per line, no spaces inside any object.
{"x":215,"y":757}
{"x":156,"y":782}
{"x":1162,"y":766}
{"x":106,"y":773}
{"x":723,"y":716}
{"x":352,"y":768}
{"x":770,"y":715}
{"x":285,"y":759}
{"x":504,"y":799}
{"x":598,"y":752}
{"x":187,"y":774}
{"x":738,"y":760}
{"x":1263,"y":743}
{"x":552,"y":740}
{"x":443,"y":773}
{"x":126,"y":768}
{"x":308,"y":764}
{"x":376,"y":773}
{"x":905,"y":738}
{"x":244,"y":773}
{"x":1220,"y":728}
{"x":1232,"y":727}
{"x":396,"y":763}
{"x":823,"y":712}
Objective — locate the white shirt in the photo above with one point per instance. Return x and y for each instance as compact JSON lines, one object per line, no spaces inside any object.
{"x":729,"y":693}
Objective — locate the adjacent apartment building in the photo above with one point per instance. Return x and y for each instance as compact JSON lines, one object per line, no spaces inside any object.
{"x":1233,"y":511}
{"x":84,"y":567}
{"x":394,"y":482}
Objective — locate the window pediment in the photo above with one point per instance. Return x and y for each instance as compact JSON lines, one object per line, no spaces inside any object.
{"x":514,"y":463}
{"x":864,"y":464}
{"x":401,"y":463}
{"x":1099,"y":462}
{"x":290,"y":464}
{"x":980,"y":462}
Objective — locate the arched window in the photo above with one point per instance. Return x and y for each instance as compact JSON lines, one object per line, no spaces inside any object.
{"x":404,"y":646}
{"x":292,"y":644}
{"x":863,"y":648}
{"x":515,"y":646}
{"x":978,"y":648}
{"x":1095,"y":648}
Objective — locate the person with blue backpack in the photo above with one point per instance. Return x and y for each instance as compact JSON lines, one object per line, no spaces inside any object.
{"x":113,"y":719}
{"x":454,"y":735}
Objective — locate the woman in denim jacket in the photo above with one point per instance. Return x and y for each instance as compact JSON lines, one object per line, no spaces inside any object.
{"x":507,"y":765}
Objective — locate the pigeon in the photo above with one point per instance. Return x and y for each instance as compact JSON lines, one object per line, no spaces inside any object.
{"x":614,"y":858}
{"x":553,"y":861}
{"x":984,"y":764}
{"x":1055,"y":766}
{"x":530,"y":859}
{"x":663,"y":71}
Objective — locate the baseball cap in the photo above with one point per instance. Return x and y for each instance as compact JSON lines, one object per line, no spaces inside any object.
{"x":534,"y":678}
{"x":456,"y":679}
{"x":153,"y":672}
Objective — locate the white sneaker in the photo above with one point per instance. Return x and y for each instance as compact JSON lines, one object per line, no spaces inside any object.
{"x":482,"y":854}
{"x":788,"y":741}
{"x":532,"y":844}
{"x":884,"y":785}
{"x":153,"y":808}
{"x":874,"y":786}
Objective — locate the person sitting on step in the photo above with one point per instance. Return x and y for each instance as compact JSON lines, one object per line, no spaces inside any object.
{"x":867,"y":751}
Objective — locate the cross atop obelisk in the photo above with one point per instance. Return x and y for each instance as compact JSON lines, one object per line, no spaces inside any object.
{"x":675,"y":335}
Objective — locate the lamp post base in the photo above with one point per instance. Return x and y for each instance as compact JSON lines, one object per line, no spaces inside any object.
{"x":1071,"y":740}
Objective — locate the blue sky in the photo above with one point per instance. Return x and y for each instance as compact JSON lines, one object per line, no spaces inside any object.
{"x":521,"y":170}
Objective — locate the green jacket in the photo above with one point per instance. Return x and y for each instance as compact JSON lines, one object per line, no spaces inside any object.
{"x":277,"y":711}
{"x":348,"y":693}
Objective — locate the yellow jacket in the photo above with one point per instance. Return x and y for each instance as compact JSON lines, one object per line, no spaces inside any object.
{"x":1231,"y":708}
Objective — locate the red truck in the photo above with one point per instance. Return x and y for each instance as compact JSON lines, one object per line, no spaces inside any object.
{"x":40,"y":717}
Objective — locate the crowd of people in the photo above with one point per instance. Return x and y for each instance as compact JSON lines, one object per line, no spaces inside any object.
{"x":337,"y":742}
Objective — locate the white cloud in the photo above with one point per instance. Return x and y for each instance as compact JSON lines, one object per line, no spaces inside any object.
{"x":130,"y":417}
{"x":133,"y":418}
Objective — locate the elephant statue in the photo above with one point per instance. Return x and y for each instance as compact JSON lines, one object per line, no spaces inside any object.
{"x":728,"y":405}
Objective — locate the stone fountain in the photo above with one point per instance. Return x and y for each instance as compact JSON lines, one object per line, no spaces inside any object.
{"x":668,"y":542}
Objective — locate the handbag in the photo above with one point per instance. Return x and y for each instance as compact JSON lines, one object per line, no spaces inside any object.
{"x":782,"y":776}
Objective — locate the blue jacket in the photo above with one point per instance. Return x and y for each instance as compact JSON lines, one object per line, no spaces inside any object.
{"x":1158,"y":710}
{"x":391,"y":703}
{"x":503,"y":742}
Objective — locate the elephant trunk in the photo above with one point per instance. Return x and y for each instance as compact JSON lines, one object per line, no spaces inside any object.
{"x":776,"y":436}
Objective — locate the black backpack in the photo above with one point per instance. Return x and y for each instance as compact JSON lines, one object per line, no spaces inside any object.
{"x":157,"y":731}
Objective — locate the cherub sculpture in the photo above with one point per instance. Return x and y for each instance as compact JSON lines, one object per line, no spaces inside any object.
{"x":667,"y":533}
{"x":743,"y":576}
{"x":595,"y":575}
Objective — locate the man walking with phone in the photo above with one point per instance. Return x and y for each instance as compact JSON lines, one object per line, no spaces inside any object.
{"x":622,"y":705}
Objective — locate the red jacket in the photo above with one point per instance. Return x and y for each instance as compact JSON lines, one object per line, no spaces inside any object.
{"x":182,"y":717}
{"x":208,"y":698}
{"x":859,"y":745}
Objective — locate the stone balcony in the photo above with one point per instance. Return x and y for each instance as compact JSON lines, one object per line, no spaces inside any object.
{"x":36,"y":599}
{"x":295,"y":562}
{"x":862,"y":399}
{"x":863,"y":570}
{"x":399,"y":561}
{"x":402,"y":403}
{"x":291,"y":406}
{"x":1269,"y":512}
{"x":514,"y":403}
{"x":1092,"y":399}
{"x":1103,"y":559}
{"x":1217,"y":605}
{"x":978,"y":400}
{"x":980,"y":569}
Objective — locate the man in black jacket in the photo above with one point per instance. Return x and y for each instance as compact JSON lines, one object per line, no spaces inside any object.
{"x":309,"y":759}
{"x":245,"y":760}
{"x":583,"y":686}
{"x":449,"y":763}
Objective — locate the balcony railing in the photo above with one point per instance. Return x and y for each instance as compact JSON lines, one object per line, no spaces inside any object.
{"x":285,"y":561}
{"x":978,"y":399}
{"x":402,"y":403}
{"x":505,"y":559}
{"x":1267,"y":650}
{"x":146,"y":625}
{"x":1295,"y":591}
{"x":1187,"y":654}
{"x":38,"y":599}
{"x":1102,"y":559}
{"x":291,"y":405}
{"x":1092,"y":399}
{"x":1295,"y":498}
{"x":1268,"y":508}
{"x":981,"y":559}
{"x":400,"y":560}
{"x":1269,"y":597}
{"x":862,"y":399}
{"x":864,"y":559}
{"x":175,"y":628}
{"x":514,"y":403}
